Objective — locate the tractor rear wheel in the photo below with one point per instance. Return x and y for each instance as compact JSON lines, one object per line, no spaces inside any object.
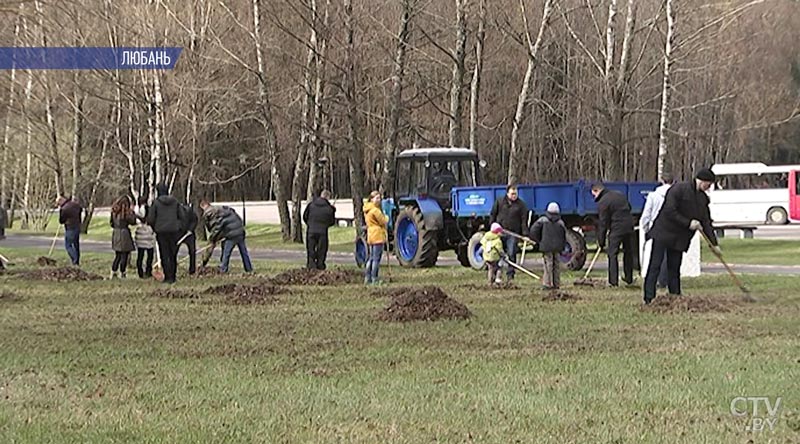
{"x":415,"y":245}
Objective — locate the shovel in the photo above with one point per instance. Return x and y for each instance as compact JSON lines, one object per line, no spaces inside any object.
{"x":45,"y":260}
{"x":745,"y":291}
{"x":5,"y":260}
{"x":523,"y":269}
{"x":585,"y":280}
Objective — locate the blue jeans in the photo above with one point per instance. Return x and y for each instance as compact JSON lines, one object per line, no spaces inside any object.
{"x":511,"y":247}
{"x":228,"y":249}
{"x":373,"y":263}
{"x":72,"y":243}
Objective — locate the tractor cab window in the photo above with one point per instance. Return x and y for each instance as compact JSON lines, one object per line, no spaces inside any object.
{"x":411,"y":178}
{"x":448,"y":174}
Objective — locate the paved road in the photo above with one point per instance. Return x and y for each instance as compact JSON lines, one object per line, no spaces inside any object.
{"x":26,"y":241}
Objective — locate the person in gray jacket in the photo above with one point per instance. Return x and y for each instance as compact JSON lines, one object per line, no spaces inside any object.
{"x":224,"y":223}
{"x":550,"y":232}
{"x":145,"y":241}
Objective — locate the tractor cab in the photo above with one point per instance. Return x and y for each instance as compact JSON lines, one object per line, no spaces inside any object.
{"x":431,"y":173}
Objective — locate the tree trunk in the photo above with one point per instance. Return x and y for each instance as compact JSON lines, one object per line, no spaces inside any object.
{"x":26,"y":196}
{"x":456,"y":84}
{"x":77,"y":138}
{"x":95,"y":183}
{"x":269,"y":128}
{"x":303,"y":148}
{"x":355,"y":155}
{"x":316,"y":147}
{"x":476,"y":77}
{"x":395,"y":104}
{"x":4,"y":195}
{"x":666,"y":90}
{"x":524,"y":95}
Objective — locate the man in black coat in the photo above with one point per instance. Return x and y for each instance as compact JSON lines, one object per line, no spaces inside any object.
{"x":684,"y":212}
{"x":615,"y":221}
{"x":512,"y":214}
{"x":166,"y":219}
{"x":70,"y":215}
{"x":318,"y":216}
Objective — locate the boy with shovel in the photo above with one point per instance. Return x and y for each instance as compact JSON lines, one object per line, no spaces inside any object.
{"x":550,"y":233}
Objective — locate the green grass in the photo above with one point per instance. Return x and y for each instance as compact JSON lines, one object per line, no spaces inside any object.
{"x":757,"y":251}
{"x":106,"y":362}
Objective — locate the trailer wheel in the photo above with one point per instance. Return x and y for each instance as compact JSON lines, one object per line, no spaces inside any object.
{"x":462,"y":253}
{"x":415,"y":245}
{"x":574,"y":254}
{"x":361,"y":252}
{"x":475,"y":251}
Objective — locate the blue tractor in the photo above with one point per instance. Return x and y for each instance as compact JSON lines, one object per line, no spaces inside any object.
{"x":438,"y":204}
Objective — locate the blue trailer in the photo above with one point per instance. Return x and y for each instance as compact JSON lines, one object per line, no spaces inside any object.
{"x":437,"y":204}
{"x":578,"y":210}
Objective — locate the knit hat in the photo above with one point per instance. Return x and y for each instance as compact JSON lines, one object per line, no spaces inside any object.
{"x":553,"y":208}
{"x":497,"y":228}
{"x":162,"y":189}
{"x":706,"y":175}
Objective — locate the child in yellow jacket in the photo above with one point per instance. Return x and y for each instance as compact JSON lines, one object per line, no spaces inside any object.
{"x":493,"y":251}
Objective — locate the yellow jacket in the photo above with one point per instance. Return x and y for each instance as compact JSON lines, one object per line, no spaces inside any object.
{"x":376,"y":224}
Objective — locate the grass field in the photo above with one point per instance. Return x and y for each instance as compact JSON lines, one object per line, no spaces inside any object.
{"x":107,"y":362}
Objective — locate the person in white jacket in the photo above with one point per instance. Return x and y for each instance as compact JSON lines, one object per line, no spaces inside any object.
{"x":652,"y":207}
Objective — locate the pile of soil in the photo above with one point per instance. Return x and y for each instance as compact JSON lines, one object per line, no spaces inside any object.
{"x":45,"y":261}
{"x":62,"y":274}
{"x":560,"y":296}
{"x":239,"y":294}
{"x":685,"y":304}
{"x":169,"y":293}
{"x":303,"y":276}
{"x":423,"y":304}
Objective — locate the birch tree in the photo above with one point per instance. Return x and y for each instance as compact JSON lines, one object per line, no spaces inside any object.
{"x":524,"y":99}
{"x":457,"y":82}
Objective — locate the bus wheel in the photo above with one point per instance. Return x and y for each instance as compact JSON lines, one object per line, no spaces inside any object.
{"x":777,"y":216}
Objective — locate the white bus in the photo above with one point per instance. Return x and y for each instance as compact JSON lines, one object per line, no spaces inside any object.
{"x":751,"y":193}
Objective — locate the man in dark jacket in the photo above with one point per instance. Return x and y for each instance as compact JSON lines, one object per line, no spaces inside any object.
{"x":684,"y":212}
{"x":188,"y":234}
{"x":318,"y":216}
{"x":224,"y":223}
{"x":165,"y":218}
{"x":615,"y":224}
{"x":512,"y":214}
{"x":70,"y":216}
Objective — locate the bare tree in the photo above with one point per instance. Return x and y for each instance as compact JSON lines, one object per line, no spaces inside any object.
{"x":475,"y":89}
{"x":533,"y":48}
{"x":395,"y":103}
{"x":457,"y":82}
{"x":355,"y":153}
{"x":666,"y":91}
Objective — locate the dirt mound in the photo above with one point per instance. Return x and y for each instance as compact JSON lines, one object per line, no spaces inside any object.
{"x":559,"y":296}
{"x":239,"y":294}
{"x":63,"y":274}
{"x":423,"y":304}
{"x":684,"y":304}
{"x":169,"y":293}
{"x":45,"y":261}
{"x":302,"y":276}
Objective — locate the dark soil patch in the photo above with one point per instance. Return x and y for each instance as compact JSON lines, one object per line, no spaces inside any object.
{"x":509,"y":286}
{"x":63,"y":274}
{"x":423,"y":304}
{"x":45,"y":261}
{"x":170,"y":293}
{"x":302,"y":276}
{"x":208,"y":271}
{"x":8,"y":296}
{"x":239,"y":294}
{"x":687,"y":304}
{"x":560,"y":296}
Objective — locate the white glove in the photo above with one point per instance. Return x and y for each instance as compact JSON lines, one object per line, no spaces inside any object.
{"x":695,"y":225}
